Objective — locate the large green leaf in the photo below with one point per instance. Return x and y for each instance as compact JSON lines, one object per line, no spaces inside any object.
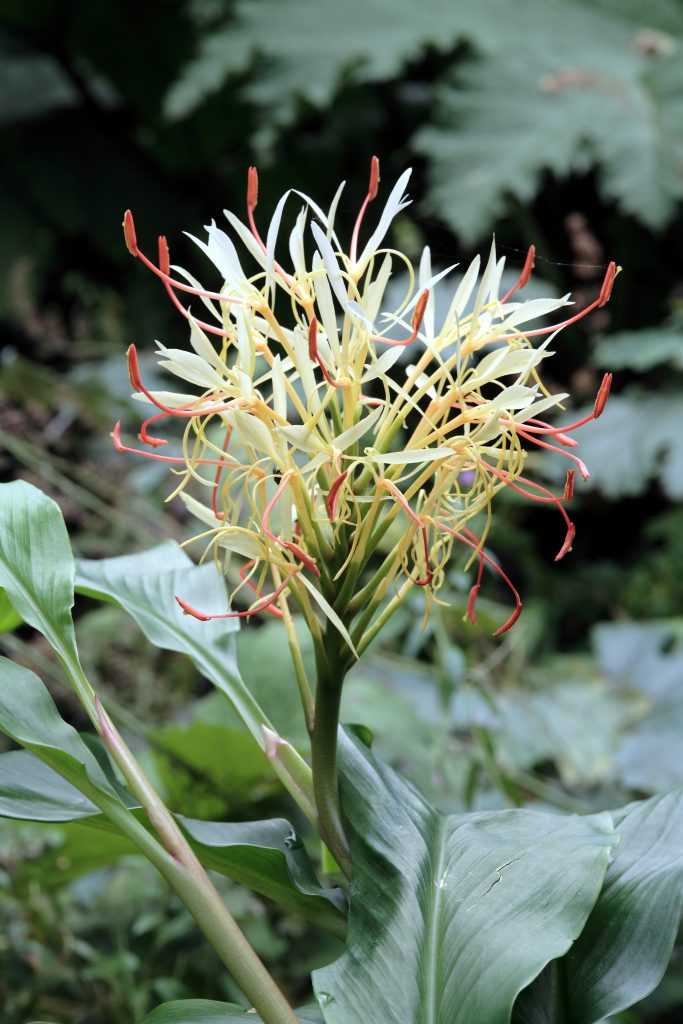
{"x":626,"y":945}
{"x":309,"y":52}
{"x":36,"y":565}
{"x":206,"y":1011}
{"x":451,"y":917}
{"x":267,"y":856}
{"x":28,"y":715}
{"x":146,"y":585}
{"x":559,"y":82}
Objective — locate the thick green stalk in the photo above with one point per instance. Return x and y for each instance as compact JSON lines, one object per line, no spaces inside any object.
{"x":331,"y":671}
{"x":179,"y":865}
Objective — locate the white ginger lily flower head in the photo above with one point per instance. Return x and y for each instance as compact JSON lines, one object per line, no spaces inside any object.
{"x":306,"y":439}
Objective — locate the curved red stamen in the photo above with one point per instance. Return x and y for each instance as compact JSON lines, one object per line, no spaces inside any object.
{"x":523,"y":279}
{"x":602,"y":299}
{"x":569,"y":485}
{"x":129,"y":233}
{"x":271,"y":609}
{"x":289,"y":545}
{"x":260,"y":606}
{"x":177,"y":459}
{"x":602,"y":396}
{"x":153,"y":442}
{"x":332,"y":499}
{"x":580,"y":464}
{"x":474,"y":594}
{"x":472,"y":541}
{"x":181,"y":411}
{"x":416,"y":323}
{"x":546,"y":497}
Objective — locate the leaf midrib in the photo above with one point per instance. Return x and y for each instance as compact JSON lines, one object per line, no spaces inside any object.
{"x":433,"y":922}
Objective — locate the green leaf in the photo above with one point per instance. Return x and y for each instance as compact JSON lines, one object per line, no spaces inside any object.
{"x":36,"y":565}
{"x":146,"y":584}
{"x":623,"y":951}
{"x":564,"y":87}
{"x":206,"y":1011}
{"x":309,"y":54}
{"x":266,"y":856}
{"x":640,"y":350}
{"x":451,"y":917}
{"x":9,"y":618}
{"x":28,"y":715}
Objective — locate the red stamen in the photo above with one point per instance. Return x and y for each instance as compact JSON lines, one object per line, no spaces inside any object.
{"x":559,"y":436}
{"x":472,"y":541}
{"x":260,"y":606}
{"x":546,"y":497}
{"x":313,"y":341}
{"x":252,"y":188}
{"x":182,"y":411}
{"x":603,"y":297}
{"x":602,"y":396}
{"x":154,"y":442}
{"x":271,"y":609}
{"x":129,"y":233}
{"x":332,"y":499}
{"x":121,"y":447}
{"x":387,"y":485}
{"x":581,"y":465}
{"x":297,"y":551}
{"x":523,"y":279}
{"x":569,"y":485}
{"x":371,"y":194}
{"x":164,"y":256}
{"x":418,"y":316}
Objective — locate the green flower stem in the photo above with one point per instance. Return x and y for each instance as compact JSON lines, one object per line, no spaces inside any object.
{"x":177,"y":862}
{"x":324,"y":751}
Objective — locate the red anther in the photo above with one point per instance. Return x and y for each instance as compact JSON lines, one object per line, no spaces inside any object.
{"x":568,"y":541}
{"x":602,"y":396}
{"x":523,"y":279}
{"x":416,"y":323}
{"x":509,"y":623}
{"x":332,"y":499}
{"x":252,"y":188}
{"x":164,"y":256}
{"x":607,"y":284}
{"x":313,"y":341}
{"x":189,"y":610}
{"x":374,"y":178}
{"x":134,"y":369}
{"x":129,"y":233}
{"x":471,"y":603}
{"x":569,"y":485}
{"x":299,"y":553}
{"x":418,"y":315}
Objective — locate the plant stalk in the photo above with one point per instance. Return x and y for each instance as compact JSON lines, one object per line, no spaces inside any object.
{"x":324,"y":754}
{"x":178,"y":863}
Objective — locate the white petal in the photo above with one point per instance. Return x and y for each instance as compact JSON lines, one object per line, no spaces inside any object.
{"x":396,"y":202}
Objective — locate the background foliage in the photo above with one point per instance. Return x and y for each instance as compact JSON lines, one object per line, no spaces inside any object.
{"x":553,"y":121}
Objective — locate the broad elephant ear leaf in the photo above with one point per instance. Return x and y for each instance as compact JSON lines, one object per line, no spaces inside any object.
{"x":205,"y":1011}
{"x":451,"y":917}
{"x":626,"y":945}
{"x":266,"y":856}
